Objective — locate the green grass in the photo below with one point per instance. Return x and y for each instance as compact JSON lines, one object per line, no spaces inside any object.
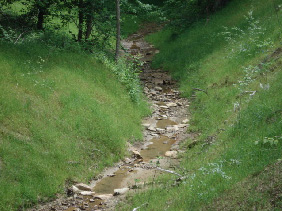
{"x":63,"y":117}
{"x":226,"y":153}
{"x":130,"y":24}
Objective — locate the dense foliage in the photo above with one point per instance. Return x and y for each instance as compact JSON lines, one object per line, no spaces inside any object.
{"x":182,"y":13}
{"x":89,"y":21}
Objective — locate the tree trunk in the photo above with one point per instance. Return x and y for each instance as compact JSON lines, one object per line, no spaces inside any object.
{"x":88,"y":27}
{"x":219,"y":3}
{"x":118,"y":29}
{"x":80,"y":20}
{"x":40,"y":19}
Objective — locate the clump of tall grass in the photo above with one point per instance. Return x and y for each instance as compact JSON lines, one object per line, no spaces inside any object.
{"x":127,"y":73}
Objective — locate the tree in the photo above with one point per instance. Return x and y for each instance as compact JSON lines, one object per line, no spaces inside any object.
{"x":186,"y":12}
{"x":42,"y":9}
{"x":118,"y":29}
{"x":80,"y":20}
{"x":89,"y":16}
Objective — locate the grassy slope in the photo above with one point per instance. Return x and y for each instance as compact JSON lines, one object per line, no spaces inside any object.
{"x":63,"y":116}
{"x":226,"y":153}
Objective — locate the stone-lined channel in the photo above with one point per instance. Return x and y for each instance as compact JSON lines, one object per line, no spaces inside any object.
{"x":163,"y":131}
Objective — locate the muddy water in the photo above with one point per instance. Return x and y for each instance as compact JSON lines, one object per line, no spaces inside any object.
{"x":108,"y":184}
{"x":159,"y":147}
{"x":164,"y":123}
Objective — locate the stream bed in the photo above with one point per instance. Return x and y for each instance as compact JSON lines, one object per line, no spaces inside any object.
{"x":164,"y":130}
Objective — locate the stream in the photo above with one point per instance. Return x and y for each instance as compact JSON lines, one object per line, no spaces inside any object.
{"x":164,"y":130}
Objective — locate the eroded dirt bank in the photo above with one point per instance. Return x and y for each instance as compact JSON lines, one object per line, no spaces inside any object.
{"x":163,"y":131}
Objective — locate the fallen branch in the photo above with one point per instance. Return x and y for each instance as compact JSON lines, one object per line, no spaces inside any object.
{"x":251,"y":93}
{"x":137,"y":208}
{"x":181,"y":178}
{"x":169,"y":171}
{"x":19,"y":37}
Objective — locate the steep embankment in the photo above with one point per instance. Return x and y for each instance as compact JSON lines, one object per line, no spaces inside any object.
{"x":230,"y":67}
{"x":63,"y":117}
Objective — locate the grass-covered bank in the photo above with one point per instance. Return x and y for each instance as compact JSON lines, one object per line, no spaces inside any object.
{"x":235,"y":57}
{"x":63,"y":117}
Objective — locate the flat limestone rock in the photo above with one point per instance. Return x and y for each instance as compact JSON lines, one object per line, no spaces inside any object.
{"x":171,"y":154}
{"x":83,"y":187}
{"x":146,"y":125}
{"x":87,"y":193}
{"x":158,"y":88}
{"x":183,"y":125}
{"x":103,"y":197}
{"x":160,"y":130}
{"x":172,"y":129}
{"x":121,"y":191}
{"x":155,"y":135}
{"x":151,"y":128}
{"x":158,"y":81}
{"x":171,"y":104}
{"x":153,"y":92}
{"x":185,"y":121}
{"x":127,"y":160}
{"x":75,"y":189}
